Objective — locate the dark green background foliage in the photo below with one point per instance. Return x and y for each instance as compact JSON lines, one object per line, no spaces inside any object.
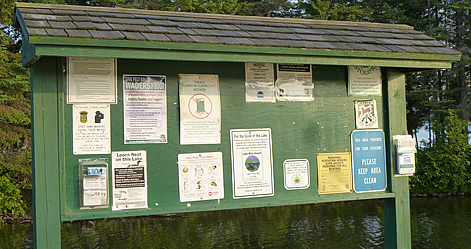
{"x":443,"y":165}
{"x":15,"y":120}
{"x":443,"y":162}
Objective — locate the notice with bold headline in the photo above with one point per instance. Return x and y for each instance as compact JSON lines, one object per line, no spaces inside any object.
{"x":334,"y":171}
{"x":129,"y":179}
{"x":145,"y":109}
{"x":91,"y":129}
{"x":252,"y":165}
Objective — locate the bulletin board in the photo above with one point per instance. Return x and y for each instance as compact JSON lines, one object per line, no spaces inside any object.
{"x":298,"y":132}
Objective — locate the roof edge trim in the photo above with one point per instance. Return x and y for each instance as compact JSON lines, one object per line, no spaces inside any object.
{"x":222,"y":48}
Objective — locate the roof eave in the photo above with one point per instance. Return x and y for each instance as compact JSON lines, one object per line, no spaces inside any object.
{"x":51,"y":46}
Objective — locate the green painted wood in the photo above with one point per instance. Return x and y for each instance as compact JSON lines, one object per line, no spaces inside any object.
{"x":46,"y":204}
{"x":202,"y":208}
{"x":396,"y":210}
{"x":127,"y":44}
{"x":208,"y":56}
{"x":299,"y":130}
{"x":61,"y":102}
{"x":28,"y":50}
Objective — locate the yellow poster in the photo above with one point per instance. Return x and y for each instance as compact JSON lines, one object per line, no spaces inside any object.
{"x":334,"y":172}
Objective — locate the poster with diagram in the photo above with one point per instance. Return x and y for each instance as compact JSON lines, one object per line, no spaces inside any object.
{"x":252,"y":163}
{"x":200,"y":109}
{"x":200,"y":176}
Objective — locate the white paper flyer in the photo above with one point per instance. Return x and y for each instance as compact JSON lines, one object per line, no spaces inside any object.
{"x":259,"y":82}
{"x":252,"y":166}
{"x":91,"y":129}
{"x":200,"y":176}
{"x":297,"y":174}
{"x":91,"y":80}
{"x":129,"y":179}
{"x":200,"y":109}
{"x":294,"y":82}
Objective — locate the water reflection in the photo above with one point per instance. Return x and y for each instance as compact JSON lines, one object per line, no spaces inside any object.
{"x":436,"y":223}
{"x":336,"y":225}
{"x":441,"y":222}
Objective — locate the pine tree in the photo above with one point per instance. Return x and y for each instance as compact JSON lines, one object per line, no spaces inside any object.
{"x":15,"y":131}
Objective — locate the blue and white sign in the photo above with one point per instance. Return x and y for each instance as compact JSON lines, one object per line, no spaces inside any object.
{"x":369,"y":161}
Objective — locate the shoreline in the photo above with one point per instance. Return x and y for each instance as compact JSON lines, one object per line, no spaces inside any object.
{"x":9,"y":219}
{"x":447,"y":194}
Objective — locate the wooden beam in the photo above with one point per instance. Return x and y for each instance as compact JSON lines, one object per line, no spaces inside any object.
{"x":397,"y":210}
{"x":46,"y":188}
{"x":124,"y":45}
{"x":215,"y":56}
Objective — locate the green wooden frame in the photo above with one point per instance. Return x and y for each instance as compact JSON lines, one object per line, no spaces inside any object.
{"x":49,"y":129}
{"x":49,"y":46}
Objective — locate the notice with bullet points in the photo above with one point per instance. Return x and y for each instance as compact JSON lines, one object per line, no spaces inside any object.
{"x":145,"y":109}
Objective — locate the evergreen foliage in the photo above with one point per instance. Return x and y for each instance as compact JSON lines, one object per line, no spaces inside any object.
{"x":444,"y":166}
{"x":15,"y":120}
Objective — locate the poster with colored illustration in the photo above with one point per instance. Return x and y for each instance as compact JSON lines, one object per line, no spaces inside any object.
{"x":91,"y":129}
{"x":252,"y":166}
{"x":366,"y":114}
{"x":200,"y":176}
{"x":200,"y":109}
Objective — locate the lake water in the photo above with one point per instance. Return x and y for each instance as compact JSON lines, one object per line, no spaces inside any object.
{"x":436,"y":223}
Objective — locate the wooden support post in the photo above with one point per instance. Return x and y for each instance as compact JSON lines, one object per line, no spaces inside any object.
{"x":396,"y":210}
{"x":46,"y":204}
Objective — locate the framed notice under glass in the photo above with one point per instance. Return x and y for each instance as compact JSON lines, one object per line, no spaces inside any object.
{"x":91,"y":80}
{"x":364,"y":80}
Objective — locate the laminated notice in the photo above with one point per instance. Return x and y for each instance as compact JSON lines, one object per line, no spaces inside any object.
{"x":294,"y":82}
{"x":259,"y":82}
{"x":200,"y":176}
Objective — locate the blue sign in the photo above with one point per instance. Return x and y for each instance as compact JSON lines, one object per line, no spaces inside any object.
{"x":369,"y":161}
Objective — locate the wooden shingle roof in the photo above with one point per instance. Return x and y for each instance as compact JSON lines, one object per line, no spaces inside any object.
{"x":63,"y":22}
